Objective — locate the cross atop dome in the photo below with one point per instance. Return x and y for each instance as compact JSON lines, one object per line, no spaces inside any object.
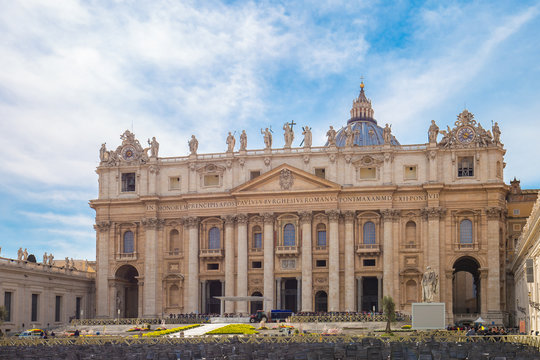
{"x":361,"y":109}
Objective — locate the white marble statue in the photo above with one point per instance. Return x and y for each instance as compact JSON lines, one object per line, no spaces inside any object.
{"x":193,"y":144}
{"x":267,"y":138}
{"x":331,"y":134}
{"x":433,"y":132}
{"x":288,"y":135}
{"x":243,"y":140}
{"x":430,"y":285}
{"x":231,"y":141}
{"x":307,"y":136}
{"x":387,"y":134}
{"x":154,"y":147}
{"x":45,"y":258}
{"x":25,"y":254}
{"x":19,"y":254}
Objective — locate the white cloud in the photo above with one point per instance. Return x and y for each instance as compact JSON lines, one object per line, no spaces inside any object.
{"x":69,"y":220}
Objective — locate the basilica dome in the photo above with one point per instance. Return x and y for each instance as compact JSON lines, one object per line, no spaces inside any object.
{"x":363,"y":125}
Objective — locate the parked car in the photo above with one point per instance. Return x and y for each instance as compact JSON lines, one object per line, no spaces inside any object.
{"x":32,"y":334}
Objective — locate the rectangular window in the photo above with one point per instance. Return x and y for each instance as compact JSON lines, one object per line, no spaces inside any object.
{"x":212,"y":266}
{"x":77,"y":308}
{"x":128,"y":182}
{"x":320,"y":172}
{"x":174,"y":183}
{"x":516,"y":211}
{"x":369,"y":262}
{"x":256,"y":264}
{"x":7,"y":305}
{"x":368,"y":173}
{"x":466,"y":166}
{"x":211,"y":180}
{"x":320,"y":263}
{"x":253,"y":174}
{"x":34,"y":310}
{"x":57,"y":308}
{"x":321,"y":238}
{"x":257,"y":240}
{"x":409,"y":172}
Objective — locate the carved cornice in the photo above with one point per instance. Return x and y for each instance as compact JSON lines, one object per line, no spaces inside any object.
{"x":102,"y":226}
{"x":305,"y":216}
{"x":268,"y":218}
{"x":349,"y":215}
{"x":152,"y":223}
{"x":242,"y":218}
{"x":494,"y":213}
{"x":433,"y":213}
{"x":191,"y":221}
{"x":390,"y":214}
{"x":229,"y":219}
{"x":333,"y":215}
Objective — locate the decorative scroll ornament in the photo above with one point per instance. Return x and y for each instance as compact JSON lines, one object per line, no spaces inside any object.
{"x":467,"y":132}
{"x":286,"y":179}
{"x":129,"y":152}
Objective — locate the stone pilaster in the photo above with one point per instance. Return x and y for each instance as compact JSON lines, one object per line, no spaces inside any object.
{"x":153,"y":172}
{"x":242,"y":265}
{"x":192,"y":294}
{"x":102,"y":283}
{"x":388,"y":251}
{"x":433,"y":216}
{"x":333,"y":261}
{"x":229,"y":261}
{"x":307,"y":267}
{"x":349,"y":260}
{"x":493,"y":259}
{"x":268,"y":247}
{"x":152,"y":284}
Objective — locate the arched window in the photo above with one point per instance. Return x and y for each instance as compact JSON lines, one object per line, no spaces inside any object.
{"x":321,"y":235}
{"x":174,"y":295}
{"x":213,"y":238}
{"x":289,"y":235}
{"x":174,"y":241}
{"x":257,"y":237}
{"x":129,"y":244}
{"x":465,"y":232}
{"x":410,"y":234}
{"x":369,"y":233}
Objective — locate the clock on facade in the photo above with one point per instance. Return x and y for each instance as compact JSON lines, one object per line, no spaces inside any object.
{"x":128,"y":153}
{"x":465,"y":134}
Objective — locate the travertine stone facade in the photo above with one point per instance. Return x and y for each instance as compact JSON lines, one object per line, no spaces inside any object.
{"x":328,"y":228}
{"x":44,"y":296}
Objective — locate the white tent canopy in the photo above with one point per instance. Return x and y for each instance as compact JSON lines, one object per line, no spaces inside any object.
{"x":480,"y":320}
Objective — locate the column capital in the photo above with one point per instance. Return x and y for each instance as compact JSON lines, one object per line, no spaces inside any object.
{"x":494,"y":213}
{"x":268,"y":217}
{"x":433,"y":213}
{"x":191,"y":221}
{"x":305,"y":216}
{"x":152,"y":223}
{"x":348,"y":215}
{"x":390,"y":214}
{"x":229,"y":219}
{"x":102,"y":226}
{"x":333,"y":215}
{"x":242,"y":218}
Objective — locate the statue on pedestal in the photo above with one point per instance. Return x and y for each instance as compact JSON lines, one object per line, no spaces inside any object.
{"x":331,"y":134}
{"x":51,"y":257}
{"x":19,"y":254}
{"x":103,"y":153}
{"x":267,"y":138}
{"x":193,"y":145}
{"x":349,"y":135}
{"x":307,"y":136}
{"x":25,"y":255}
{"x":289,"y":135}
{"x":243,"y":140}
{"x":387,"y":134}
{"x":496,"y":133}
{"x":231,"y":141}
{"x":154,"y":147}
{"x":45,"y":258}
{"x":433,"y":132}
{"x":430,"y":285}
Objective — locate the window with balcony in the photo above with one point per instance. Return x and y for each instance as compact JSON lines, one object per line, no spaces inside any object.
{"x":466,"y":232}
{"x":465,"y":166}
{"x":214,"y":238}
{"x":289,"y":235}
{"x":257,"y":237}
{"x":410,"y":235}
{"x":321,"y":235}
{"x":369,"y":233}
{"x":174,"y":242}
{"x":128,"y":246}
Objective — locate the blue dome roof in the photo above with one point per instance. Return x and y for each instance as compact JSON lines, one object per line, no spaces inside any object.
{"x":363,"y":124}
{"x":369,"y":133}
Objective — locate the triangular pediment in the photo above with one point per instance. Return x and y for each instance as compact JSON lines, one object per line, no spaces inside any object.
{"x":285,"y":179}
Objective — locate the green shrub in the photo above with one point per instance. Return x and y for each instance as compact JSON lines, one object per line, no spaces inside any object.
{"x":241,"y":329}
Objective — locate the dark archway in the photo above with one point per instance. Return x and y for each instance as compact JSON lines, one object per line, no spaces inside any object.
{"x":290,"y":295}
{"x":214,"y":288}
{"x":466,"y":286}
{"x":256,"y":305}
{"x":370,"y":293}
{"x":321,"y":301}
{"x":127,"y":295}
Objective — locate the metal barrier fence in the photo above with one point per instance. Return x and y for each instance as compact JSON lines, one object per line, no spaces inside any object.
{"x":533,"y":341}
{"x":195,"y":319}
{"x":344,"y":318}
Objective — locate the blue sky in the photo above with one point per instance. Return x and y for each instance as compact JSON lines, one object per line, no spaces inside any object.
{"x":76,"y":74}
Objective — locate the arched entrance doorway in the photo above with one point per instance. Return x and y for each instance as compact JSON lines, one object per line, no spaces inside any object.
{"x":255,"y":305}
{"x":213,"y":289}
{"x":466,"y":286}
{"x":321,"y":301}
{"x":127,"y":291}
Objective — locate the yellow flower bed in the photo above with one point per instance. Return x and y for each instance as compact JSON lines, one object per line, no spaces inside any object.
{"x":242,"y":329}
{"x":170,"y":331}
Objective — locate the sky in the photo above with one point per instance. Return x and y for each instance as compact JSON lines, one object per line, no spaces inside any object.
{"x":75,"y":74}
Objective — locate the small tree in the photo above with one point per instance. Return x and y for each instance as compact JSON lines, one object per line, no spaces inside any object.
{"x":389,"y":308}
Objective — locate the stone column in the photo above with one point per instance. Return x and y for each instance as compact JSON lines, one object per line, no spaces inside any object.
{"x":431,"y":155}
{"x":152,"y":284}
{"x":203,"y":288}
{"x":493,"y":288}
{"x":268,"y":249}
{"x":278,"y":293}
{"x":379,"y":292}
{"x":192,"y":180}
{"x":483,"y":291}
{"x":152,"y":179}
{"x":388,"y":251}
{"x":307,"y":262}
{"x":242,"y":265}
{"x":333,"y":261}
{"x":433,"y":216}
{"x":349,"y":260}
{"x":192,"y":293}
{"x":229,"y":262}
{"x":448,"y":296}
{"x":360,"y":290}
{"x":102,"y":282}
{"x":298,"y":293}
